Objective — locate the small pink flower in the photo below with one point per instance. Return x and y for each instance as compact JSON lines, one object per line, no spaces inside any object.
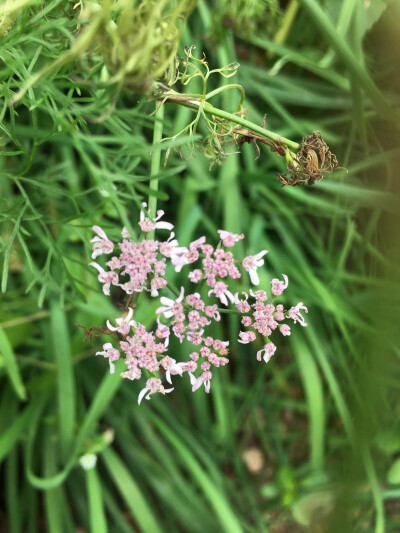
{"x":296,"y":316}
{"x":102,"y":244}
{"x":153,"y":385}
{"x":179,"y":259}
{"x":229,"y":239}
{"x":212,"y":312}
{"x":107,"y":278}
{"x":169,"y":307}
{"x":268,"y":350}
{"x":132,"y":373}
{"x":247,"y":321}
{"x":125,"y":233}
{"x":195,"y":276}
{"x":195,"y":337}
{"x":171,"y":367}
{"x":279,"y":286}
{"x":111,"y":353}
{"x":221,"y":346}
{"x":246,"y":337}
{"x":242,"y":305}
{"x":147,"y":225}
{"x":198,"y":243}
{"x":279,"y":313}
{"x":124,"y":323}
{"x":204,"y":379}
{"x":162,"y":332}
{"x":221,"y":291}
{"x":260,"y":296}
{"x":189,"y":367}
{"x":195,"y":301}
{"x":170,"y":248}
{"x":114,"y":263}
{"x":156,"y":284}
{"x":251,"y":263}
{"x":284,"y":329}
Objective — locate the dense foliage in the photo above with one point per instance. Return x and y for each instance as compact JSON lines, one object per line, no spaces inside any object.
{"x":307,"y":442}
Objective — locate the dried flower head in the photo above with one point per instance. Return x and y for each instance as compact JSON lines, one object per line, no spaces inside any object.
{"x":312,"y":161}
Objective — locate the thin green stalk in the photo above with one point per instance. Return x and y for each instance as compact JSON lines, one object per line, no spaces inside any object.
{"x":193,"y":103}
{"x":155,"y":163}
{"x":289,"y":18}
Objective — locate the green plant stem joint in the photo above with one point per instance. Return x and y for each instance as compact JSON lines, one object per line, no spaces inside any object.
{"x":311,"y":159}
{"x":305,"y":162}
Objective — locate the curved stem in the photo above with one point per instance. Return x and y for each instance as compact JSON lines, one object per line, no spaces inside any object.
{"x":155,"y":163}
{"x":223,"y":88}
{"x":193,"y":103}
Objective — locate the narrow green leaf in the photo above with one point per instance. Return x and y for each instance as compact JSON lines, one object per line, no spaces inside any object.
{"x":141,"y":510}
{"x":58,"y":516}
{"x":9,"y":437}
{"x":98,"y":522}
{"x":227,"y":518}
{"x":315,"y":400}
{"x":12,"y":491}
{"x":65,"y":375}
{"x":105,"y":393}
{"x":11,"y":365}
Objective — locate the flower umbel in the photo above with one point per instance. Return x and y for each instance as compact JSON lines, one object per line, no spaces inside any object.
{"x":140,"y":266}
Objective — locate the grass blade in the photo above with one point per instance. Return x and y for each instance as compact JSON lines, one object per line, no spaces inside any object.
{"x":11,"y":365}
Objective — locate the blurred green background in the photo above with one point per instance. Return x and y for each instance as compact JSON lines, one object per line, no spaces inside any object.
{"x":309,"y":442}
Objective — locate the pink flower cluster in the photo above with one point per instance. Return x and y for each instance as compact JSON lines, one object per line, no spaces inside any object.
{"x":141,"y":266}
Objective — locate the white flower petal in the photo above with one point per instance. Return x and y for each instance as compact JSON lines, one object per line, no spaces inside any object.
{"x":97,"y":267}
{"x":254,"y":276}
{"x":142,"y":213}
{"x":180,"y":297}
{"x":259,"y":255}
{"x":142,"y":393}
{"x":164,"y":225}
{"x":96,"y":253}
{"x":166,"y":301}
{"x":110,"y":327}
{"x":100,"y":232}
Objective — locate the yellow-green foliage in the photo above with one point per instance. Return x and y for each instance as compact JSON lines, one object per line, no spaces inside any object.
{"x":138,"y":41}
{"x":142,"y":40}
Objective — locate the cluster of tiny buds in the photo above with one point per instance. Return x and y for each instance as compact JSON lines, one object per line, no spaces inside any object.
{"x":141,"y":266}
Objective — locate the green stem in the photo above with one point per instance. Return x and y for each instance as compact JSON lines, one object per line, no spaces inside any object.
{"x":175,"y":291}
{"x":155,"y":163}
{"x":229,"y":311}
{"x":193,"y":103}
{"x":287,"y":22}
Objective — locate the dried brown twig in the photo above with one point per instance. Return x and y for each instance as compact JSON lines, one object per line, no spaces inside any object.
{"x":90,"y":332}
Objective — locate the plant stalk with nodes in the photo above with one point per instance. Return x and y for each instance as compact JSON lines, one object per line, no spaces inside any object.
{"x":306,"y":162}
